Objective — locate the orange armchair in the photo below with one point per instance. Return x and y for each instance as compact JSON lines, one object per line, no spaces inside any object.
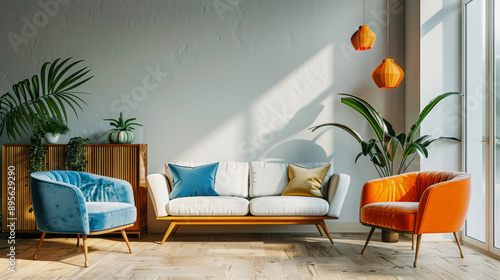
{"x":416,"y":203}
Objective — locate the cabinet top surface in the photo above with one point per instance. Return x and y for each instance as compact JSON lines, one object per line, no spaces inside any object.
{"x":88,"y":145}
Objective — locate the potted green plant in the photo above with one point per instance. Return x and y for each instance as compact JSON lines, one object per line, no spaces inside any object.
{"x":382,"y":151}
{"x":32,"y":102}
{"x":36,"y":152}
{"x":53,"y":128}
{"x":75,"y":154}
{"x":122,"y":133}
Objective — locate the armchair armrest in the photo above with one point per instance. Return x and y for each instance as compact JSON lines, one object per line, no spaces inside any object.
{"x":443,"y":206}
{"x":59,"y":207}
{"x":158,"y":192}
{"x":337,"y":191}
{"x":390,"y":189}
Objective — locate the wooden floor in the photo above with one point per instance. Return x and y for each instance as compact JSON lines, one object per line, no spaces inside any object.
{"x":244,"y":256}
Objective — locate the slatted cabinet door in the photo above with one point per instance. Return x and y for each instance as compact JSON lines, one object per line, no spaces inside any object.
{"x":123,"y":161}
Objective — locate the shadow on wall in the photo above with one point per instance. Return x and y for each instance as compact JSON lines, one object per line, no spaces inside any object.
{"x":281,"y":147}
{"x":274,"y":119}
{"x":270,"y":111}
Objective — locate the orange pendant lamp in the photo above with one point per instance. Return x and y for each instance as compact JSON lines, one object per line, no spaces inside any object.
{"x":388,"y":74}
{"x":364,"y":38}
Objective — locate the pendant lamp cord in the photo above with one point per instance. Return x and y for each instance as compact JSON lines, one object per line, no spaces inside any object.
{"x":387,"y":28}
{"x":363,"y":12}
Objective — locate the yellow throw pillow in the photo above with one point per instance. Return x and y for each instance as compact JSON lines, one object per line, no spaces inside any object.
{"x":305,"y":182}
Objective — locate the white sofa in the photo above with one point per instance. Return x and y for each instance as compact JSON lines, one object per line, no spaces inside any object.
{"x":250,"y":193}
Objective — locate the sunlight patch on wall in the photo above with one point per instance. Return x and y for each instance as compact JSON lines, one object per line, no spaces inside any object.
{"x":430,"y":9}
{"x":434,"y":56}
{"x":290,"y":107}
{"x":214,"y":146}
{"x":282,"y":114}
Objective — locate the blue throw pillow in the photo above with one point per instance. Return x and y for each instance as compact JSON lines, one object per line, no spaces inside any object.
{"x":193,"y":181}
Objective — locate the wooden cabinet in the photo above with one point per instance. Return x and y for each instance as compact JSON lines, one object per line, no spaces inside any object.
{"x":123,"y":161}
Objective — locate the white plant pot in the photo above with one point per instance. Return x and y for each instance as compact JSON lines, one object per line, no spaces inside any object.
{"x":51,"y":138}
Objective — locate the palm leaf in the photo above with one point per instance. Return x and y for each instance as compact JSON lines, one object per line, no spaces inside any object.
{"x":426,"y":111}
{"x":390,"y":129}
{"x":32,"y":102}
{"x":392,"y":148}
{"x":452,"y":139}
{"x":368,"y":112}
{"x":344,"y":127}
{"x":412,"y":147}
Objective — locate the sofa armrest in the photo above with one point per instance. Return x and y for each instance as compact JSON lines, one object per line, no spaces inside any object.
{"x":337,"y":190}
{"x":158,"y":192}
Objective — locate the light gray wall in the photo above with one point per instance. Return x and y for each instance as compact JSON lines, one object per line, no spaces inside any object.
{"x":434,"y":57}
{"x":242,"y":80}
{"x":441,"y":71}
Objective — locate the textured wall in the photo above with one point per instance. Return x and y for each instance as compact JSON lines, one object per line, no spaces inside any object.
{"x":433,"y":59}
{"x":215,"y":80}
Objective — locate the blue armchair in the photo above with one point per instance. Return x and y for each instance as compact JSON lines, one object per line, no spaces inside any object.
{"x":72,"y":202}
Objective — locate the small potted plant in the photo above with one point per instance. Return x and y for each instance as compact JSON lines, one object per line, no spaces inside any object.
{"x":53,"y":128}
{"x":122,"y":133}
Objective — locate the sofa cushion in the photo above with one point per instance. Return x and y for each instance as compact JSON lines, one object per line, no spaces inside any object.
{"x":208,"y":206}
{"x":269,"y":179}
{"x":288,"y":206}
{"x":397,"y":215}
{"x":304,"y":181}
{"x":193,"y":181}
{"x":231,"y":178}
{"x":106,"y":215}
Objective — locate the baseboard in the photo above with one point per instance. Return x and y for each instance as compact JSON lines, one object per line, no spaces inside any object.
{"x":333,"y":226}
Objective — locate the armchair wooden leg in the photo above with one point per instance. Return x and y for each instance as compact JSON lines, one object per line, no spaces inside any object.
{"x":459,"y":246}
{"x":368,"y":239}
{"x":77,"y":240}
{"x":124,"y":234}
{"x":35,"y":256}
{"x":325,"y":230}
{"x":85,"y":250}
{"x":319,"y":229}
{"x":419,"y":239}
{"x":169,"y":231}
{"x":412,"y":241}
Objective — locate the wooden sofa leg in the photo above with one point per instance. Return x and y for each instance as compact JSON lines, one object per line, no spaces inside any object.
{"x":319,"y":229}
{"x":174,"y":230}
{"x":35,"y":255}
{"x":368,"y":239}
{"x":419,"y":239}
{"x":124,"y":234}
{"x":459,"y":246}
{"x":78,"y":240}
{"x":325,"y":230}
{"x":173,"y":225}
{"x":412,"y":241}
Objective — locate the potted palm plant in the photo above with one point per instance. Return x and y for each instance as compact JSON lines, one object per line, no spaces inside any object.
{"x":383,"y":150}
{"x":53,"y":128}
{"x":122,"y":131}
{"x":32,"y":102}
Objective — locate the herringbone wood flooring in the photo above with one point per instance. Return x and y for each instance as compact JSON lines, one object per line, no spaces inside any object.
{"x":244,"y":256}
